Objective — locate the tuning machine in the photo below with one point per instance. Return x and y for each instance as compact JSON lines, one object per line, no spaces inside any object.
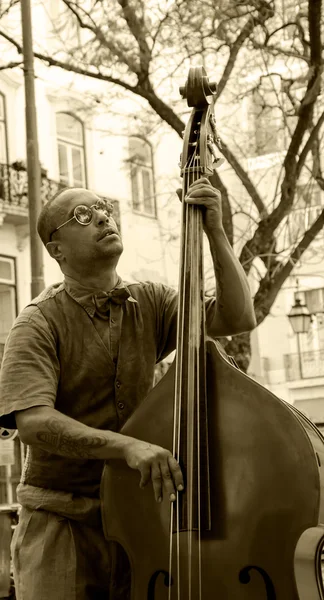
{"x":218,"y":161}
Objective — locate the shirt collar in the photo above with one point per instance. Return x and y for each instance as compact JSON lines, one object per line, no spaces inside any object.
{"x":83,"y":294}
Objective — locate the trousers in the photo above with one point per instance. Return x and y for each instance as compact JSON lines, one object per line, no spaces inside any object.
{"x":59,"y":551}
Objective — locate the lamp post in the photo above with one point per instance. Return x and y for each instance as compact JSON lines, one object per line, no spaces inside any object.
{"x":300,"y":319}
{"x":33,"y":166}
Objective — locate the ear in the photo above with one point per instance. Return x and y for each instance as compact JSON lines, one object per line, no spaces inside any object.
{"x":54,"y":249}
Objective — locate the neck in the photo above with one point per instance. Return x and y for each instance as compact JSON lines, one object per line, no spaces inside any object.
{"x":105,"y":279}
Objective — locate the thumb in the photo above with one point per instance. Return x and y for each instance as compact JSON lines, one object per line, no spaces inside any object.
{"x":145,"y":476}
{"x":179,"y":194}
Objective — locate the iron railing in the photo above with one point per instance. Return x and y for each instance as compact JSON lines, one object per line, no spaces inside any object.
{"x":14,"y":191}
{"x":304,"y":365}
{"x":14,"y":187}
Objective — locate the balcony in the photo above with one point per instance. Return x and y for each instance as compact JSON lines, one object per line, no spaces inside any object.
{"x":14,"y":194}
{"x":307,"y":365}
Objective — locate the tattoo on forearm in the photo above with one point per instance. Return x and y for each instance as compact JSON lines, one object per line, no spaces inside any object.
{"x":57,"y":440}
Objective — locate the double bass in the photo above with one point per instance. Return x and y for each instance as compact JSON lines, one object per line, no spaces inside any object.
{"x":248,"y":525}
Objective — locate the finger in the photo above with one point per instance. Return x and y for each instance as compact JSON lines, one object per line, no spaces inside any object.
{"x":205,"y":187}
{"x":156,"y":477}
{"x":145,"y":476}
{"x":203,"y":191}
{"x":179,"y":194}
{"x":168,"y":480}
{"x":201,"y":180}
{"x":206,"y":202}
{"x":176,"y":473}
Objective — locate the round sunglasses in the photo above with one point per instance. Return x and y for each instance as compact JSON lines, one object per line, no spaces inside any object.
{"x":83,"y":214}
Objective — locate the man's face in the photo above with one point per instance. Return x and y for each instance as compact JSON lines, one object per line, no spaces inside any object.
{"x":80,"y":245}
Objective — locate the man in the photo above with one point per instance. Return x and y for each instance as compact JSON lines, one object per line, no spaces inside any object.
{"x":78,"y":360}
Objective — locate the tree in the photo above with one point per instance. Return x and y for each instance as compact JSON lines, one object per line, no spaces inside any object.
{"x":266,"y":57}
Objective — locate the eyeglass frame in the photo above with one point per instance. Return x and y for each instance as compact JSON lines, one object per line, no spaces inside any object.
{"x":75,"y":217}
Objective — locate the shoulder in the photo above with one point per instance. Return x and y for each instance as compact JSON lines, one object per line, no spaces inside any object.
{"x":32,"y":315}
{"x":156,"y":299}
{"x":151,"y":290}
{"x":49,"y":293}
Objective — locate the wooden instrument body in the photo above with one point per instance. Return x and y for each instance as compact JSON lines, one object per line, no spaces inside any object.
{"x":266,"y":478}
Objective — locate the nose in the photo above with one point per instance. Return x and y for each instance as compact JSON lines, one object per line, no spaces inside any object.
{"x":100,"y":216}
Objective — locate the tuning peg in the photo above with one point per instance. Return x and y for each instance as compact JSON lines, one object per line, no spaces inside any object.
{"x":218,"y":162}
{"x":212,"y":86}
{"x":182,"y":90}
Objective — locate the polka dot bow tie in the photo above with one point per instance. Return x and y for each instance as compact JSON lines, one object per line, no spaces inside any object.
{"x":102,"y":301}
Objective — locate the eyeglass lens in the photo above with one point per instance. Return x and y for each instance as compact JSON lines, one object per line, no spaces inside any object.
{"x":83,"y":213}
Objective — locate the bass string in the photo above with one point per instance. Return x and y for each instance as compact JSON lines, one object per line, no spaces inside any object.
{"x":181,"y":311}
{"x":197,"y":244}
{"x":196,"y":277}
{"x":197,"y":307}
{"x":193,"y":436}
{"x":189,"y":385}
{"x":178,"y":381}
{"x":191,"y":256}
{"x":193,"y":226}
{"x":191,"y":388}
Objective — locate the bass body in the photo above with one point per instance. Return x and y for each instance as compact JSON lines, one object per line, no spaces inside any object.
{"x":266,"y":483}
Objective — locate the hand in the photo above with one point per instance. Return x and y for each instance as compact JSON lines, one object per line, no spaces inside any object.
{"x":156,"y":464}
{"x":203,"y":193}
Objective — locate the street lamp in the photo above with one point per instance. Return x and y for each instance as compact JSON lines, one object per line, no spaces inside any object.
{"x":300,"y":319}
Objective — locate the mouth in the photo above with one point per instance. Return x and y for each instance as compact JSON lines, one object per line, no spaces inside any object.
{"x":107,"y":233}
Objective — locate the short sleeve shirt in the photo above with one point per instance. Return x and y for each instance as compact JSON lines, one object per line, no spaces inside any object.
{"x":59,"y":354}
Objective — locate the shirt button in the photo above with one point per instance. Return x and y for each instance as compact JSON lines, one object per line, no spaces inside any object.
{"x":117,"y":384}
{"x":120,"y":405}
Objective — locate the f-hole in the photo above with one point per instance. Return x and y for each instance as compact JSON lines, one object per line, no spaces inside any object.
{"x":244,"y":577}
{"x":168,"y":581}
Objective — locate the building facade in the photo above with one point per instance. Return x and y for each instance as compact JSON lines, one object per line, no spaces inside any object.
{"x":87,"y":146}
{"x":79,"y":146}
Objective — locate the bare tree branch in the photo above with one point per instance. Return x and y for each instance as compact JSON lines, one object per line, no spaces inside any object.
{"x":264,"y":14}
{"x":72,"y":68}
{"x":309,"y":144}
{"x":265,"y":61}
{"x":138,"y":29}
{"x":269,"y":287}
{"x":11,"y":65}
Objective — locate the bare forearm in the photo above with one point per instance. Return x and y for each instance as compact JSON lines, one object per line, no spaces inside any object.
{"x":54,"y":432}
{"x":51,"y":431}
{"x":234,"y":300}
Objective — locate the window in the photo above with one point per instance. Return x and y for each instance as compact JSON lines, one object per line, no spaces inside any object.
{"x":3,"y":131}
{"x":314,"y":300}
{"x":9,"y":467}
{"x":307,"y":207}
{"x":8,"y":306}
{"x":267,"y":116}
{"x":70,"y":142}
{"x":141,"y":164}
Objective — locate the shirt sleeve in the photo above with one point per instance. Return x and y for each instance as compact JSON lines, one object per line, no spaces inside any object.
{"x":30,"y":368}
{"x":167,"y":307}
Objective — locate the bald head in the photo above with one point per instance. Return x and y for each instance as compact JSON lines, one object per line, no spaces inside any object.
{"x":54,"y":211}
